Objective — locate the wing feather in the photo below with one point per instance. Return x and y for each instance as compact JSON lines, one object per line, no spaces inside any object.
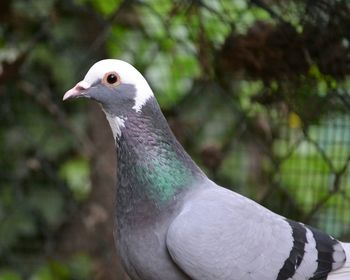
{"x":220,"y":234}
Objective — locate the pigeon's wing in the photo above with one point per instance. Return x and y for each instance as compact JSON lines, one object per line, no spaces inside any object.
{"x":222,"y":235}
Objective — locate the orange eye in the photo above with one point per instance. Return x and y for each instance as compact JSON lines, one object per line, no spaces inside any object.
{"x":111,"y":78}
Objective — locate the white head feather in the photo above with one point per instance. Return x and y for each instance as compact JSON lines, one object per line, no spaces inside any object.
{"x":128,"y":74}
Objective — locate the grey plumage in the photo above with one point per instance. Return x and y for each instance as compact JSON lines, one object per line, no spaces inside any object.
{"x":173,"y":223}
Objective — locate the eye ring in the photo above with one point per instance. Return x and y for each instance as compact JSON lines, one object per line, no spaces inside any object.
{"x":111,"y":79}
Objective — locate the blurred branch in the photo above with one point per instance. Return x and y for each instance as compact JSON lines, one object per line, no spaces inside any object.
{"x":222,"y":17}
{"x":320,"y":150}
{"x":342,"y":97}
{"x":334,"y":188}
{"x":308,"y":217}
{"x":264,"y":6}
{"x":42,"y":99}
{"x":9,"y":67}
{"x":102,"y":38}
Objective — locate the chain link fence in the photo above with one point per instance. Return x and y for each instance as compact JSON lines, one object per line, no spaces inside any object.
{"x":295,"y":167}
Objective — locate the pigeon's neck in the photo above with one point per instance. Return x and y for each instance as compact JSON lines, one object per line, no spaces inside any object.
{"x":153,"y":168}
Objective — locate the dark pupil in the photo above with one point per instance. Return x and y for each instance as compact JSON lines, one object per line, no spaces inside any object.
{"x":111,"y":78}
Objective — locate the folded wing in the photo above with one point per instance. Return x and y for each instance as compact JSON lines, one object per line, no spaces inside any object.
{"x":223,"y":235}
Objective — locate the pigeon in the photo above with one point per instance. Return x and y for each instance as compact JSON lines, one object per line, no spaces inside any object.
{"x":172,"y":222}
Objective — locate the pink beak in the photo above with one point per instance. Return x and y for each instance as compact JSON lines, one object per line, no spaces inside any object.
{"x":76,"y":91}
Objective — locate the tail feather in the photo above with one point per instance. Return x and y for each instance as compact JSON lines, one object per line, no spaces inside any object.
{"x":343,"y":273}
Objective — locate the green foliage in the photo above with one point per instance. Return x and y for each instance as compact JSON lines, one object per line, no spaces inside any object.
{"x":77,"y":174}
{"x":166,"y":80}
{"x":33,"y":9}
{"x":9,"y":275}
{"x":51,"y":271}
{"x":106,"y":7}
{"x":281,"y":139}
{"x":78,"y":267}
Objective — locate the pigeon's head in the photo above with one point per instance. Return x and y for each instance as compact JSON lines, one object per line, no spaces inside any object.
{"x":116,"y":85}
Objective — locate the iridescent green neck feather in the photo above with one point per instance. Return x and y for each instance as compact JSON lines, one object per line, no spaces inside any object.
{"x":153,"y":168}
{"x":165,"y":175}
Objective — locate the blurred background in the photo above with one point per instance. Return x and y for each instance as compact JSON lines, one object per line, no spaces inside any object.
{"x":257,"y":91}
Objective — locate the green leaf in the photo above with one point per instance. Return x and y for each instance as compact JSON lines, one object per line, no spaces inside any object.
{"x":80,"y":266}
{"x":9,"y":275}
{"x":106,"y":7}
{"x":171,"y":76}
{"x":43,"y":273}
{"x":77,"y":174}
{"x":52,"y":270}
{"x":59,"y":270}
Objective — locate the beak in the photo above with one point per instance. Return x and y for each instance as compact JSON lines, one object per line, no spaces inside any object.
{"x":77,"y":91}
